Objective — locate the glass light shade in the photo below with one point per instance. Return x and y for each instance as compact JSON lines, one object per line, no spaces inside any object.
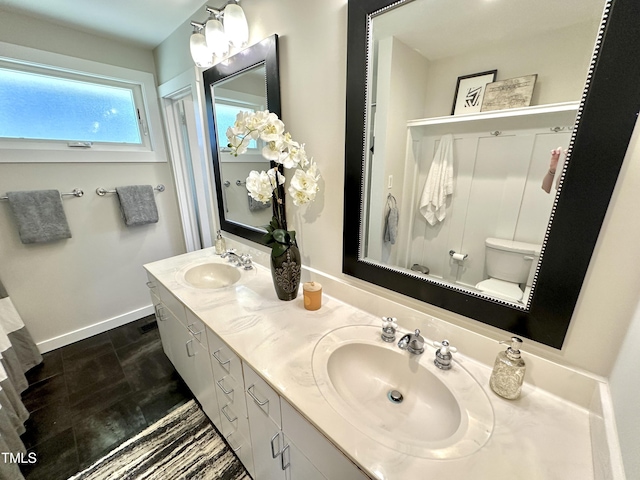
{"x":199,"y":51}
{"x":216,"y":39}
{"x":235,"y":25}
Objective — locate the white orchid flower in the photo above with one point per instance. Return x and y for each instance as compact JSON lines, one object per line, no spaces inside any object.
{"x":260,"y":186}
{"x":304,"y":185}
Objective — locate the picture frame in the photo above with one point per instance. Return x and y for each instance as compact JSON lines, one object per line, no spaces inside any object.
{"x":470,"y":91}
{"x":510,"y":93}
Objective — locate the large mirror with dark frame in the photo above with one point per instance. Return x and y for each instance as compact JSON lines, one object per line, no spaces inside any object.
{"x":457,"y":208}
{"x":247,"y":81}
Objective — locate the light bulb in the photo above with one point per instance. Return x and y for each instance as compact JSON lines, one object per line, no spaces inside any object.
{"x":235,"y":25}
{"x":199,"y":51}
{"x":216,"y":38}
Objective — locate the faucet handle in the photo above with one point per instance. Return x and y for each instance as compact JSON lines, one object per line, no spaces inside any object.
{"x":443,"y":354}
{"x":445,"y":347}
{"x":389,"y":327}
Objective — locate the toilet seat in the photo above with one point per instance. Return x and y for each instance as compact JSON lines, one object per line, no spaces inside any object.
{"x":508,"y":291}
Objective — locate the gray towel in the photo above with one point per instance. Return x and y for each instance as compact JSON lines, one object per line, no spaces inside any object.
{"x":391,"y":226}
{"x":137,"y":204}
{"x":257,"y":205}
{"x":40,"y":215}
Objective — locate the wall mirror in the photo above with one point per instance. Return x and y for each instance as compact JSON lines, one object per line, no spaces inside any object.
{"x":246,"y":81}
{"x":406,"y":61}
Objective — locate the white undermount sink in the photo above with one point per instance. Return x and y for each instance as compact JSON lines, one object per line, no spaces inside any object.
{"x":213,"y":274}
{"x":400,"y":400}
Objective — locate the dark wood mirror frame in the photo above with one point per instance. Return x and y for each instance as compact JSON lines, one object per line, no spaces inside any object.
{"x":263,"y":53}
{"x":607,"y":116}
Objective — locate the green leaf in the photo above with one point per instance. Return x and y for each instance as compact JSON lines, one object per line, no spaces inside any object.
{"x":281,"y":236}
{"x":278,"y":249}
{"x":292,"y":234}
{"x":268,"y":238}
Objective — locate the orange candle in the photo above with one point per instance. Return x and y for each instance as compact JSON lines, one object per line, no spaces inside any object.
{"x":312,"y":292}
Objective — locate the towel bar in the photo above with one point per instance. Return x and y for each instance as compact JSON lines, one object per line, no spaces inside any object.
{"x":102,"y":191}
{"x":76,"y":193}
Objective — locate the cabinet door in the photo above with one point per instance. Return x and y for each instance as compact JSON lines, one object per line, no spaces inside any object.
{"x":295,"y":465}
{"x":315,"y":447}
{"x":202,"y":378}
{"x":161,"y":320}
{"x":263,"y":407}
{"x":177,"y":343}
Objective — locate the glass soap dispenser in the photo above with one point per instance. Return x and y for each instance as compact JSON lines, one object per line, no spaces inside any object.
{"x":508,"y":371}
{"x":221,"y":245}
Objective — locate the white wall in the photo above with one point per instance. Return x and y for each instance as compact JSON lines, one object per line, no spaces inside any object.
{"x":313,"y":72}
{"x":70,"y":289}
{"x":626,"y":397}
{"x":560,"y":59}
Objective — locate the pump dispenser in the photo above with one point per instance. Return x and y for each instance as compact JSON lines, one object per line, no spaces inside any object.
{"x":221,"y":245}
{"x":508,"y":371}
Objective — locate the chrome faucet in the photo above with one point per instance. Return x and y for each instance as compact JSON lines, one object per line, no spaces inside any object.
{"x":412,"y":342}
{"x":243,"y":260}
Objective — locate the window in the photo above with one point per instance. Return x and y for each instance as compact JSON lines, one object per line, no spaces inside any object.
{"x":226,"y":113}
{"x":98,"y":111}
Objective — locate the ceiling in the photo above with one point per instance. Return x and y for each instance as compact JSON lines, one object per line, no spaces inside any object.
{"x":143,"y":22}
{"x":441,"y":29}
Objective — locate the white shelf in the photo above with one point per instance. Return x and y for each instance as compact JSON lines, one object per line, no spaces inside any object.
{"x":558,"y":114}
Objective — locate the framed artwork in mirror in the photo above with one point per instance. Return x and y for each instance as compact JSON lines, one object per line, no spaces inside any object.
{"x":470,"y":91}
{"x":511,"y":93}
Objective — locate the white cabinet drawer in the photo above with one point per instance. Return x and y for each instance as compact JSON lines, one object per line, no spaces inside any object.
{"x":231,"y":392}
{"x":196,"y":328}
{"x":172,"y":303}
{"x":330,"y":461}
{"x":232,"y":422}
{"x":262,"y":395}
{"x":242,"y":447}
{"x":224,"y":360}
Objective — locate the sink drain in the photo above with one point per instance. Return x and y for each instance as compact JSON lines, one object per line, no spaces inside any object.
{"x":395,"y":396}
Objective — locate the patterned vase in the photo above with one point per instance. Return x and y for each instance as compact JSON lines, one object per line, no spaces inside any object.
{"x":285,"y":270}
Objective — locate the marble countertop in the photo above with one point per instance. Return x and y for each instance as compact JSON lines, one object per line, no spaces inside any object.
{"x":538,"y":436}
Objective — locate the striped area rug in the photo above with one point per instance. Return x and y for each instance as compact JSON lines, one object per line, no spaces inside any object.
{"x":181,"y":446}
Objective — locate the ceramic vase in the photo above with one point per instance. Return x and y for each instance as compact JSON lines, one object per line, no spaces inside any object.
{"x":285,"y":270}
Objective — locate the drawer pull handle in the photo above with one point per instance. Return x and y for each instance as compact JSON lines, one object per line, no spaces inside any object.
{"x":284,"y":467}
{"x":159,"y":309}
{"x":226,"y":392}
{"x":218,"y":358}
{"x":151,"y":285}
{"x":189,"y":354}
{"x":275,"y":454}
{"x":189,"y":327}
{"x":229,"y":441}
{"x":227,"y":415}
{"x":255,"y":399}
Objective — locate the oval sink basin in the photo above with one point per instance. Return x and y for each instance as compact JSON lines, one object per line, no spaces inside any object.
{"x":212,"y":275}
{"x":400,"y":400}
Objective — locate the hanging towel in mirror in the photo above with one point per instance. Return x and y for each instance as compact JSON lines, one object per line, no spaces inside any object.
{"x":391,"y":221}
{"x":39,"y":215}
{"x":439,"y":183}
{"x":257,"y":205}
{"x":137,"y":204}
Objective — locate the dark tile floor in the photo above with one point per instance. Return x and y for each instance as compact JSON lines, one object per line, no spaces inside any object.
{"x":87,"y":398}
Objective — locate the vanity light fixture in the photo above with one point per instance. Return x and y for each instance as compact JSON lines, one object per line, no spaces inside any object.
{"x":226,"y":26}
{"x":200,"y":53}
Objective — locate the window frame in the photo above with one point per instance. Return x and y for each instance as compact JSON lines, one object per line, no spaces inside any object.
{"x":51,"y":151}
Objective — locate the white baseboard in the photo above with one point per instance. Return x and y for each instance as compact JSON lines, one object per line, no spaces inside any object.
{"x":605,"y":446}
{"x":86,"y":332}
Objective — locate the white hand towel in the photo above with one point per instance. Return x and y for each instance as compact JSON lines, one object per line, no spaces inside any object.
{"x":439,"y":183}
